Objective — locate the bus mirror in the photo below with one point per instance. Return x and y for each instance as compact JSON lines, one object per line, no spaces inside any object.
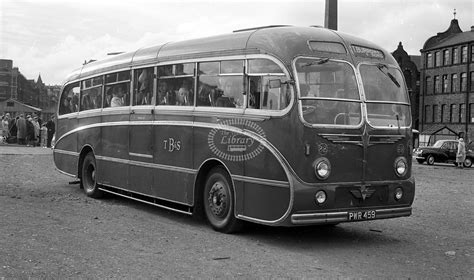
{"x":274,"y":84}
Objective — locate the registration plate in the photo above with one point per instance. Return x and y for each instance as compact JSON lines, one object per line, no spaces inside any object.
{"x":361,"y":215}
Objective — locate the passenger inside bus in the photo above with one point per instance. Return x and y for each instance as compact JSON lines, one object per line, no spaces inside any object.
{"x":183,"y":95}
{"x":165,"y":96}
{"x":117,"y":99}
{"x":144,"y":92}
{"x":231,"y":95}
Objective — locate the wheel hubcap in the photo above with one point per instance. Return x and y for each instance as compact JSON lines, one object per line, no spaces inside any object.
{"x":218,"y":199}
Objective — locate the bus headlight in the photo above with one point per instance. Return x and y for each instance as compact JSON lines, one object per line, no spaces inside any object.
{"x":320,"y":197}
{"x":322,"y":168}
{"x":401,"y":166}
{"x":398,"y":193}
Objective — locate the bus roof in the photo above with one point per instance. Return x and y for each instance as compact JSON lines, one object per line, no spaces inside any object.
{"x":283,"y":42}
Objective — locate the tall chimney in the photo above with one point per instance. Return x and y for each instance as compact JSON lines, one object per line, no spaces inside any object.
{"x":330,"y":16}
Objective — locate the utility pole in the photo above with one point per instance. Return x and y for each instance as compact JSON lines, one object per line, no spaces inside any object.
{"x":330,"y":15}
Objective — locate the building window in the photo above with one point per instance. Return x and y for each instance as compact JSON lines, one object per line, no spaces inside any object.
{"x":472,"y":53}
{"x":429,"y":85}
{"x":463,"y":82}
{"x":455,"y":55}
{"x":427,"y":114}
{"x":445,"y":84}
{"x":454,"y":83}
{"x":437,"y":84}
{"x":443,"y":113}
{"x":429,"y":60}
{"x":435,"y":114}
{"x":437,"y":59}
{"x":462,"y":114}
{"x":472,"y":81}
{"x":471,"y":110}
{"x":446,"y":57}
{"x":463,"y":54}
{"x":452,"y":107}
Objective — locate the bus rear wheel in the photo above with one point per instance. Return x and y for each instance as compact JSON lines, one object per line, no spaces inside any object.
{"x":218,"y":200}
{"x":89,"y":177}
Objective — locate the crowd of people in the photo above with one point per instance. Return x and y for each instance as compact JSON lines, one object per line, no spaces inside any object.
{"x":27,"y":130}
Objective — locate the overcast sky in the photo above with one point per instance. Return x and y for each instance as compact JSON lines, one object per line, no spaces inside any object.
{"x":53,"y":37}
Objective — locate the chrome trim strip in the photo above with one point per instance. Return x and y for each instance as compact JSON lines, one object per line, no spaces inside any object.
{"x":64,"y":152}
{"x":273,"y":183}
{"x":140,"y":155}
{"x":65,"y":173}
{"x":338,"y":217}
{"x":147,"y":164}
{"x":147,"y":202}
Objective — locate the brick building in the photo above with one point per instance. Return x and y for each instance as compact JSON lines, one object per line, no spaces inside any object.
{"x":16,"y":88}
{"x":447,"y":85}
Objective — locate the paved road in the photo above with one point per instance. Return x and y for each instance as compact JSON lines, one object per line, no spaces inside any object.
{"x":50,"y":230}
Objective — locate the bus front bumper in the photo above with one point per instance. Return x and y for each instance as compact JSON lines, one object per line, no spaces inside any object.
{"x":349,"y":216}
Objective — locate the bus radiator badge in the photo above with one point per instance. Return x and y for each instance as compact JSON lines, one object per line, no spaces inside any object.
{"x":236,"y":140}
{"x":363,"y":193}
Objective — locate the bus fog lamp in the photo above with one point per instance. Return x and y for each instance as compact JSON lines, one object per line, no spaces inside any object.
{"x":401,"y":166}
{"x":320,"y":197}
{"x":398,"y":193}
{"x":322,"y":168}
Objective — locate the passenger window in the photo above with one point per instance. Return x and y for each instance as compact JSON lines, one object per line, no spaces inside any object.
{"x":70,"y":99}
{"x":176,"y":85}
{"x":221,"y":91}
{"x":143,"y":87}
{"x":262,"y":94}
{"x":218,"y":90}
{"x":91,"y":94}
{"x":117,"y":89}
{"x":257,"y":66}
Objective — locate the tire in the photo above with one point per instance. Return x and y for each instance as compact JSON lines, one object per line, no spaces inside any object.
{"x":467,"y":162}
{"x":88,"y":177}
{"x":218,"y":200}
{"x":420,"y":161}
{"x":430,"y":160}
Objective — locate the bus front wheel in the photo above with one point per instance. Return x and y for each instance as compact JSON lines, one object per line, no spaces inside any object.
{"x":89,"y":177}
{"x":218,"y":200}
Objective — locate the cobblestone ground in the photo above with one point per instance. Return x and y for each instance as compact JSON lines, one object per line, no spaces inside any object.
{"x":50,"y":230}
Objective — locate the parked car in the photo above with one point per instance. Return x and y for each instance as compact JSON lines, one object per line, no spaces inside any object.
{"x":442,"y":151}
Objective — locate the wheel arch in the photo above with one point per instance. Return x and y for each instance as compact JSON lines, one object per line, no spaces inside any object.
{"x":84,"y":151}
{"x":203,"y":171}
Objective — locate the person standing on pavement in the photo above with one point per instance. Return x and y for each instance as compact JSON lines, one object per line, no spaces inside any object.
{"x":37,"y":130}
{"x":50,"y":125}
{"x":461,"y":154}
{"x":21,"y":130}
{"x":30,"y":131}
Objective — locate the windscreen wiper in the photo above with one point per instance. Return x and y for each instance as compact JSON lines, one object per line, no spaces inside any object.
{"x":394,"y":80}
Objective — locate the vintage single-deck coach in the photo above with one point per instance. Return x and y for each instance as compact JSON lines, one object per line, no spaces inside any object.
{"x":275,"y":125}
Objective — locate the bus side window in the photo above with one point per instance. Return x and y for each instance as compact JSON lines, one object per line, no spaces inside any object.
{"x":262,"y":96}
{"x":254,"y":92}
{"x":69,"y":99}
{"x":143,"y":87}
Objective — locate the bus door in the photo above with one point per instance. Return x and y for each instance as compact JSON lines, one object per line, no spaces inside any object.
{"x":141,"y":149}
{"x":141,"y":132}
{"x":173,"y":134}
{"x":113,"y":163}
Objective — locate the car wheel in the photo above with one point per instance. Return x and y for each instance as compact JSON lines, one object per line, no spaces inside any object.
{"x":218,"y":200}
{"x":467,"y":162}
{"x":89,"y":177}
{"x":420,"y":161}
{"x":430,"y":160}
